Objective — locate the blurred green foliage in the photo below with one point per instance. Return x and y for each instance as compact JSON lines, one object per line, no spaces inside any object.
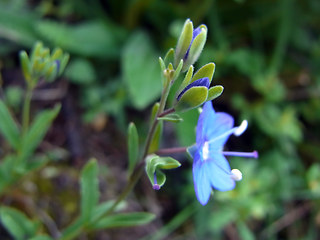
{"x":267,"y":56}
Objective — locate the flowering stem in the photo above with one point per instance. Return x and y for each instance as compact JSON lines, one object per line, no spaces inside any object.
{"x":166,"y":112}
{"x":26,"y":110}
{"x":137,"y":172}
{"x":166,"y":151}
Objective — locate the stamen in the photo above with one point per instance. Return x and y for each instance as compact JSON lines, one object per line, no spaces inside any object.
{"x":155,"y":186}
{"x":243,"y":126}
{"x":236,"y":175}
{"x":253,"y":154}
{"x":236,"y":131}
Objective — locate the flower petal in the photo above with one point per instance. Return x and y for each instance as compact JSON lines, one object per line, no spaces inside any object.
{"x":211,"y":125}
{"x":218,"y":172}
{"x":201,"y":182}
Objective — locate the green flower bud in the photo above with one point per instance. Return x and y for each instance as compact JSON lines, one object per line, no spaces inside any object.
{"x":190,"y":44}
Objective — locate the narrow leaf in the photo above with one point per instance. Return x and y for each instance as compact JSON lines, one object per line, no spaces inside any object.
{"x":155,"y":142}
{"x":171,"y":118}
{"x":19,"y":226}
{"x":8,"y":126}
{"x":125,"y":220}
{"x":38,"y":130}
{"x":89,"y":189}
{"x":133,"y":146}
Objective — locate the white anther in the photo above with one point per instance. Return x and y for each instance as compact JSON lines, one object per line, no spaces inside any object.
{"x":236,"y":174}
{"x":243,"y":126}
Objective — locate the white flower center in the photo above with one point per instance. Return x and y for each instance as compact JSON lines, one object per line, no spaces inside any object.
{"x":205,"y":151}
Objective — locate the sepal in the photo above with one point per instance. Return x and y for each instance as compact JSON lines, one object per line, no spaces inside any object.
{"x":205,"y":71}
{"x":214,"y":92}
{"x":154,"y":165}
{"x":184,"y":41}
{"x":196,"y":48}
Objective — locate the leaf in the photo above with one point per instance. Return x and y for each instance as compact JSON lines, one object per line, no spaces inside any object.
{"x":6,"y":170}
{"x":89,"y":189}
{"x":141,"y":70}
{"x":169,"y":58}
{"x":244,"y":231}
{"x":133,"y":146}
{"x":38,"y":130}
{"x":171,"y":118}
{"x":19,"y":226}
{"x":41,"y":237}
{"x":8,"y":126}
{"x":156,"y":139}
{"x":124,"y":220}
{"x":17,"y":26}
{"x":94,"y":38}
{"x":101,"y":209}
{"x":81,"y":71}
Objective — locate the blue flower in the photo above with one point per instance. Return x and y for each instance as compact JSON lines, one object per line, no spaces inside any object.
{"x":210,"y":167}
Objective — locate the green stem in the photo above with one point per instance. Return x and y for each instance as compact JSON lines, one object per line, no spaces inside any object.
{"x":26,"y":110}
{"x":136,"y":174}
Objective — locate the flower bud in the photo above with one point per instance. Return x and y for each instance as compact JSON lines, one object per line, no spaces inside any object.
{"x":190,"y":44}
{"x":193,"y":95}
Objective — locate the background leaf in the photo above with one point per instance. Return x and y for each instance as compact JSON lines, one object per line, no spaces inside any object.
{"x":19,"y":226}
{"x":89,"y":189}
{"x":124,"y":220}
{"x":133,"y":146}
{"x":141,"y":71}
{"x":38,"y":130}
{"x":8,"y":126}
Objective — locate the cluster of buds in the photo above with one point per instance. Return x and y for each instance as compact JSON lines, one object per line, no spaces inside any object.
{"x":195,"y":89}
{"x":42,"y":65}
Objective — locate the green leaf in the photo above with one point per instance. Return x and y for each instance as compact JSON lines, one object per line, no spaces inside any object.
{"x":6,"y":170}
{"x":91,"y":38}
{"x":8,"y":126}
{"x":141,"y":71}
{"x":214,"y":92}
{"x":205,"y":71}
{"x":124,"y":220}
{"x":192,"y":98}
{"x":38,"y":130}
{"x":186,"y":130}
{"x":154,"y":111}
{"x":169,"y":58}
{"x":156,"y":139}
{"x":81,"y":71}
{"x":133,"y":146}
{"x":19,"y":226}
{"x":89,"y":189}
{"x":41,"y":237}
{"x":177,"y":71}
{"x":171,"y":118}
{"x":17,"y":26}
{"x":103,"y":208}
{"x":244,"y":231}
